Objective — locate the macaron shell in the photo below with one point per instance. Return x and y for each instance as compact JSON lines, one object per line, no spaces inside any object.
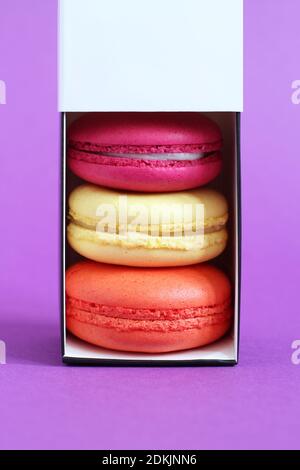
{"x":147,"y":342}
{"x":144,"y":257}
{"x":164,"y":288}
{"x":161,"y":303}
{"x":146,"y":130}
{"x":146,"y":177}
{"x":85,"y":200}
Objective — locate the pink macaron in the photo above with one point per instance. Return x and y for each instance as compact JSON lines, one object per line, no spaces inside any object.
{"x":148,"y":152}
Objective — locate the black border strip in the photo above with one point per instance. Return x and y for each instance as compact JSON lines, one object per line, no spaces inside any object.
{"x":194,"y":458}
{"x":62,"y":238}
{"x":146,"y":362}
{"x":239,"y":225}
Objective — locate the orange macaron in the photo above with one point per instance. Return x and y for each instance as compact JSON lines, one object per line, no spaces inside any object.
{"x":150,"y":310}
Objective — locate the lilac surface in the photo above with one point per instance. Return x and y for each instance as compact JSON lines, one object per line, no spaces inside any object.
{"x":46,"y":405}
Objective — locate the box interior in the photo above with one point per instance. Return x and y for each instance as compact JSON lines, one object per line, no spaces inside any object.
{"x":224,"y":350}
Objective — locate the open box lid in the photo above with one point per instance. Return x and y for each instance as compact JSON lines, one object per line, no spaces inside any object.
{"x":150,"y":55}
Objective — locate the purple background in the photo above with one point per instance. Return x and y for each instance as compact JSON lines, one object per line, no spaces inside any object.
{"x":46,"y":405}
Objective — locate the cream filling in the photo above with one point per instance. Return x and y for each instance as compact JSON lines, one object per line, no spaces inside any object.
{"x":137,"y":239}
{"x":158,"y":156}
{"x":211,"y":224}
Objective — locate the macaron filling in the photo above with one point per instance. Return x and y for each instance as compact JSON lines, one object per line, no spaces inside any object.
{"x":140,"y":162}
{"x":142,"y":240}
{"x":181,"y":235}
{"x":209,"y":227}
{"x":152,"y":237}
{"x":145,"y":159}
{"x":158,"y":156}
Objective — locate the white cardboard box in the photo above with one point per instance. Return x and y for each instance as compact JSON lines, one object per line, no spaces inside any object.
{"x":156,"y":55}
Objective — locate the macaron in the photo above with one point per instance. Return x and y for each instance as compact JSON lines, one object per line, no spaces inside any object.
{"x":147,"y":229}
{"x":148,"y":152}
{"x":151,"y":310}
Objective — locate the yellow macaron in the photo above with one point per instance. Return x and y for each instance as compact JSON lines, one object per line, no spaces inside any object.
{"x":142,"y":229}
